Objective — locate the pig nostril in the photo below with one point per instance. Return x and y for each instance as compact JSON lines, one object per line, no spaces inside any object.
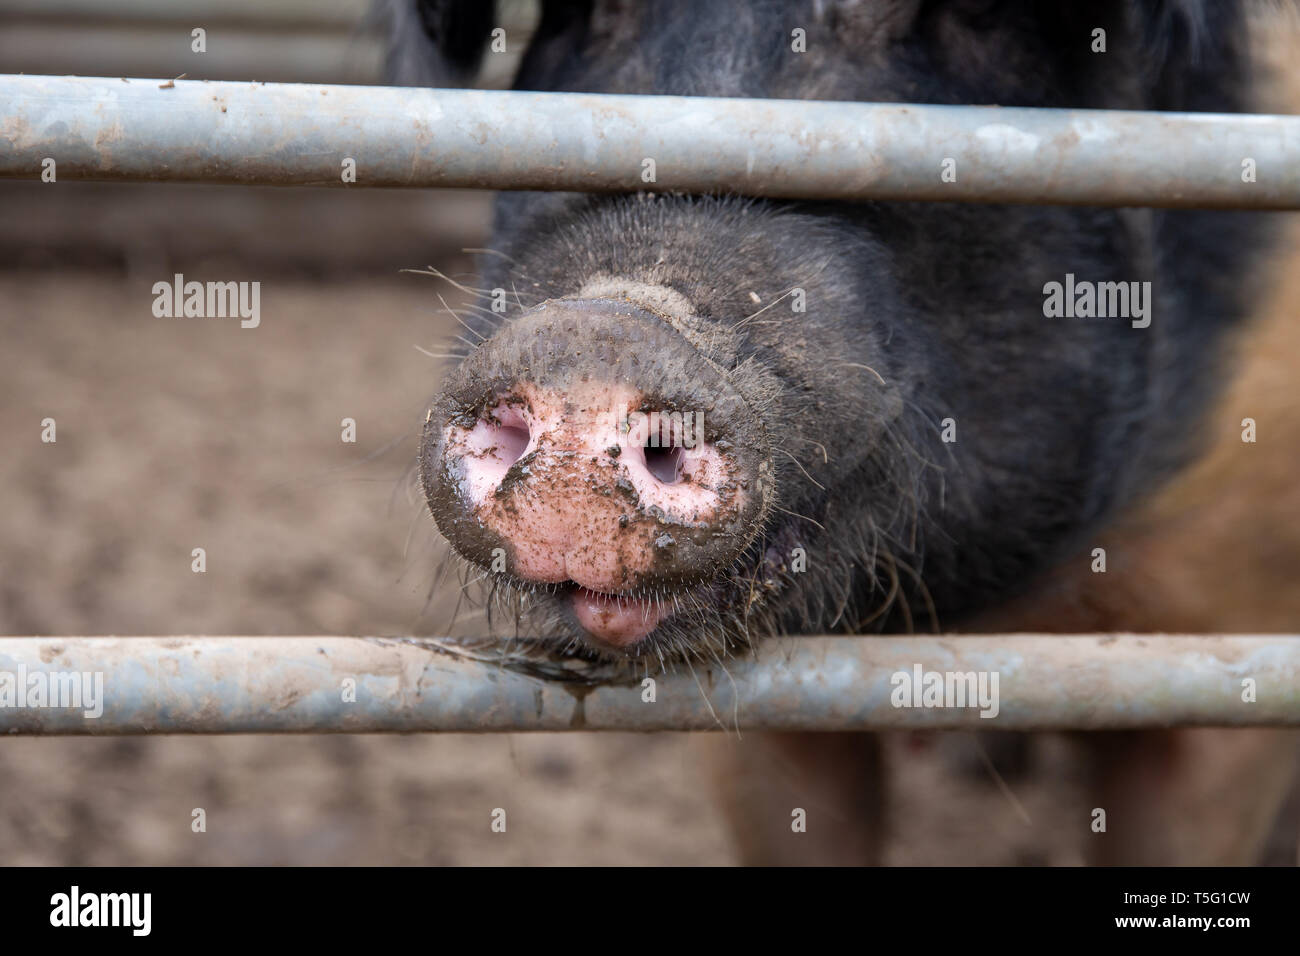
{"x":500,"y":438}
{"x":511,"y":441}
{"x":664,"y":463}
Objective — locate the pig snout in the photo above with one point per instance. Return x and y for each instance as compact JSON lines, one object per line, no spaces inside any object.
{"x":590,"y":447}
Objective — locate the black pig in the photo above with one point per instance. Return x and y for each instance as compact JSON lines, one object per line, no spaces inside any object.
{"x":930,"y":434}
{"x":922,"y":431}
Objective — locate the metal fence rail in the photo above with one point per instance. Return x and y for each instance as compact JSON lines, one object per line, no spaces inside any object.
{"x":214,"y":685}
{"x":154,"y":130}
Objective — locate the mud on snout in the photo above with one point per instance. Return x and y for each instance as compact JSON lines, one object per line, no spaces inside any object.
{"x":588,"y":450}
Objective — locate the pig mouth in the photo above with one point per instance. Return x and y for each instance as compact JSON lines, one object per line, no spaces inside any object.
{"x":637,"y":628}
{"x":652,"y":627}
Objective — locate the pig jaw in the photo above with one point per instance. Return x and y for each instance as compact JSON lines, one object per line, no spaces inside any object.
{"x":589,"y":448}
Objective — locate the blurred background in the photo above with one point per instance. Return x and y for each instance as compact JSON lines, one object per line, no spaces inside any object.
{"x":181,"y":434}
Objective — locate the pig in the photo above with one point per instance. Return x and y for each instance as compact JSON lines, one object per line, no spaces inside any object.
{"x":863,"y":417}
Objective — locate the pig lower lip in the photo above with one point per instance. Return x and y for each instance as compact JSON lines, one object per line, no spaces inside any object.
{"x":617,"y":621}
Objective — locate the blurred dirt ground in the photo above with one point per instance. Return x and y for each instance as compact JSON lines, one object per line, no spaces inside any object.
{"x":183,"y":433}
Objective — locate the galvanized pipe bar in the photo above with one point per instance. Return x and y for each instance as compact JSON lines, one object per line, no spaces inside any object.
{"x":339,"y":14}
{"x":215,"y":685}
{"x":153,"y":130}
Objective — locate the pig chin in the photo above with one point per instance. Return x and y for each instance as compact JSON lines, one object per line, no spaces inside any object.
{"x":589,"y":450}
